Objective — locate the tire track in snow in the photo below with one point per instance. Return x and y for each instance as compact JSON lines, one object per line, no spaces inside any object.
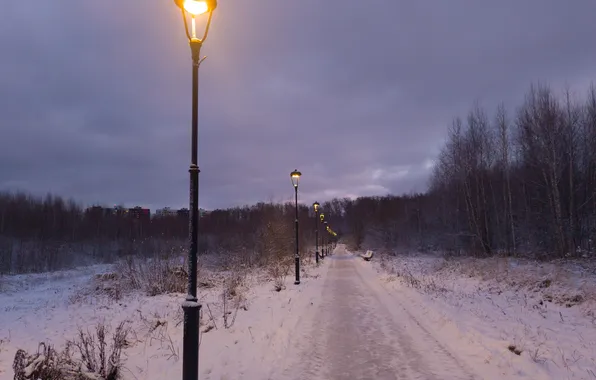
{"x":353,"y":334}
{"x":425,"y":342}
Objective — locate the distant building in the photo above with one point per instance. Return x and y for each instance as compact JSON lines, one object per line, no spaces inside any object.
{"x":119,"y":210}
{"x":138,"y":213}
{"x":180,"y":213}
{"x":99,"y":211}
{"x":166,"y":211}
{"x":183,"y":213}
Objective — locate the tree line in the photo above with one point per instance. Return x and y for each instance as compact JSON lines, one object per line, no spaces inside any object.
{"x":50,"y":233}
{"x":519,"y":182}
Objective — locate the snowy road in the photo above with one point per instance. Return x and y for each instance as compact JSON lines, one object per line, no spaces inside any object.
{"x":359,"y":331}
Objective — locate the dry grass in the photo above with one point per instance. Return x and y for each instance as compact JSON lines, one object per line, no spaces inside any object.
{"x":154,"y":276}
{"x":155,"y":330}
{"x":410,"y":276}
{"x":87,"y":356}
{"x":277,"y":272}
{"x":234,"y":296}
{"x":563,"y":282}
{"x":150,"y":276}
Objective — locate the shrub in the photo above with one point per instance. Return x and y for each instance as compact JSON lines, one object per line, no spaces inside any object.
{"x":85,"y":357}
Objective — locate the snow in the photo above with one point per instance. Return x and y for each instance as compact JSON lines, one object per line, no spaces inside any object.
{"x":360,"y":330}
{"x":51,"y":307}
{"x":481,"y":307}
{"x":415,"y":312}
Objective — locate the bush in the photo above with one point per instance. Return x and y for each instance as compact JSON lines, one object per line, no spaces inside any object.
{"x":85,"y":357}
{"x":278,"y":272}
{"x":152,"y":276}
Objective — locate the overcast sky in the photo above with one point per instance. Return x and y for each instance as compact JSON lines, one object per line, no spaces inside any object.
{"x":357,"y":95}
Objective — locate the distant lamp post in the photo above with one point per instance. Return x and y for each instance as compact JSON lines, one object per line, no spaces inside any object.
{"x":295,"y":176}
{"x":191,"y":306}
{"x":326,"y":239}
{"x":316,"y":207}
{"x":334,"y":240}
{"x":322,"y":216}
{"x":331,"y":239}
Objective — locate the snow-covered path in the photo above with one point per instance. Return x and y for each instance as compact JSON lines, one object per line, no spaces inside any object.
{"x":359,"y":331}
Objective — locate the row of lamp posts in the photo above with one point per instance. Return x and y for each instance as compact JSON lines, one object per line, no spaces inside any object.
{"x":191,"y":9}
{"x":319,"y":216}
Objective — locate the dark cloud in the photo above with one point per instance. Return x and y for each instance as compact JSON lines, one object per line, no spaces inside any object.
{"x":95,"y":96}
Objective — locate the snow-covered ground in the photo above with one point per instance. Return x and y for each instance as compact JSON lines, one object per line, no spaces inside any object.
{"x":528,"y":320}
{"x":52,"y":307}
{"x":394,"y":317}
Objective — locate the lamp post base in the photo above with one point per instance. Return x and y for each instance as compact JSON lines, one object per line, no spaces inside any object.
{"x":190,"y":350}
{"x":297,"y":262}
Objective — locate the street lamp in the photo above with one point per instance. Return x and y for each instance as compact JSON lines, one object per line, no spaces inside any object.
{"x":331,"y":240}
{"x":191,"y":306}
{"x":316,"y":207}
{"x":295,"y":176}
{"x":322,"y":216}
{"x":326,"y":239}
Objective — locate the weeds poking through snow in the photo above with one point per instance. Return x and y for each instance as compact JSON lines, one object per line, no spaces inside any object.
{"x":211,"y":318}
{"x":156,"y":330}
{"x":153,"y":276}
{"x":278,"y":272}
{"x":513,"y":348}
{"x":45,"y":364}
{"x":226,"y":313}
{"x":537,"y":354}
{"x":85,"y":357}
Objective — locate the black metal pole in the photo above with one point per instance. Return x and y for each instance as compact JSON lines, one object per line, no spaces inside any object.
{"x":317,"y":236}
{"x":191,"y":307}
{"x":322,"y":244}
{"x":297,"y":254}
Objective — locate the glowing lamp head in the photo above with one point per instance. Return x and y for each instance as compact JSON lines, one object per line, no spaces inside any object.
{"x":197,"y":7}
{"x":295,"y":176}
{"x":316,"y":206}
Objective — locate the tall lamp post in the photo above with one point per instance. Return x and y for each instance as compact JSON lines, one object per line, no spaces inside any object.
{"x":316,"y":207}
{"x":322,"y":216}
{"x":295,"y":176}
{"x":191,"y":306}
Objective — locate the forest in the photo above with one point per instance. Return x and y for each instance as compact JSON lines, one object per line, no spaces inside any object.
{"x":516,"y":182}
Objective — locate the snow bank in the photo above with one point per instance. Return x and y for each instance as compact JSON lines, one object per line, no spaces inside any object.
{"x":243,"y":344}
{"x":531,"y":320}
